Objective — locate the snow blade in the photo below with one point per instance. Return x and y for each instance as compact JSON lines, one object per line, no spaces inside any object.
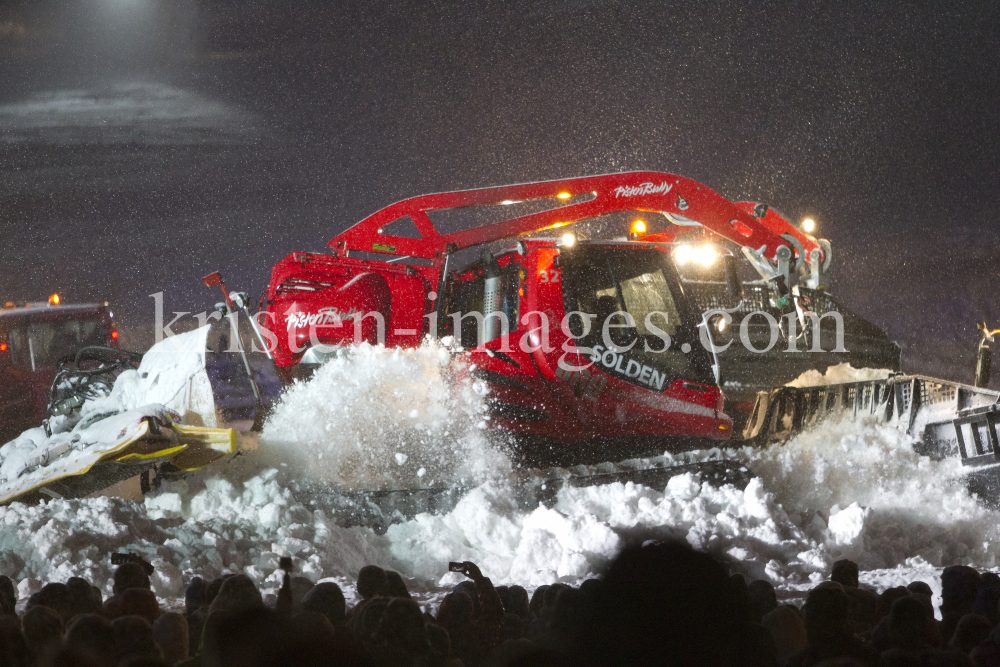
{"x":152,"y":444}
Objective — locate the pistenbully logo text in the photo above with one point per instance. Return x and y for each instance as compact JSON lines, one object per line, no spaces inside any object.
{"x":643,"y":189}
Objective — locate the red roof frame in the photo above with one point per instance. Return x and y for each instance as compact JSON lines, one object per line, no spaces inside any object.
{"x":639,"y":190}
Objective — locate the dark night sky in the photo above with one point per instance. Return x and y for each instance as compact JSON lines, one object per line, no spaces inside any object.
{"x":145,"y":143}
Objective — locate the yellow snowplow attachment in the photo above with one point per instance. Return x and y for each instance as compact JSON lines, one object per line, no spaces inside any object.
{"x":137,"y":449}
{"x":202,"y":446}
{"x":188,"y":448}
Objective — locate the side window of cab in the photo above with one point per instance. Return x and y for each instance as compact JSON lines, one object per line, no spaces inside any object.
{"x":17,"y":349}
{"x":475,"y":298}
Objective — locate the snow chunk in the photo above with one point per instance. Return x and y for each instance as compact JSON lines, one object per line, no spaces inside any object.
{"x":838,"y":374}
{"x":847,"y":525}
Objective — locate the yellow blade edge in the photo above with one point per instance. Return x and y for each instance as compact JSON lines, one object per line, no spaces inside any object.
{"x":203,"y":446}
{"x":151,"y":456}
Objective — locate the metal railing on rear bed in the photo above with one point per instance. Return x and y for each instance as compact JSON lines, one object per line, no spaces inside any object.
{"x":945,"y":418}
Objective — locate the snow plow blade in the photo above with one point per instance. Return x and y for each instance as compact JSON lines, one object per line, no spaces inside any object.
{"x":144,"y":448}
{"x":947,"y":419}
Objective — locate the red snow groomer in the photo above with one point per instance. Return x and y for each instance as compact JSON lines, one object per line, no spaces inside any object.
{"x":599,"y":343}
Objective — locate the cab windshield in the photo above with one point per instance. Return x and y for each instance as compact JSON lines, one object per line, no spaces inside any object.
{"x":635,"y":295}
{"x":37,"y":344}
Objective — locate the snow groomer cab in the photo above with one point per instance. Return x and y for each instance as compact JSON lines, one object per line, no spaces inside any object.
{"x":34,"y":339}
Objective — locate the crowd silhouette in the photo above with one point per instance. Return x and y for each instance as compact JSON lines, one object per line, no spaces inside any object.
{"x":658,"y":604}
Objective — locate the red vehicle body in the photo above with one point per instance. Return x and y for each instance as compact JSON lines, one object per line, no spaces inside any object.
{"x":33,"y":341}
{"x":549,"y":381}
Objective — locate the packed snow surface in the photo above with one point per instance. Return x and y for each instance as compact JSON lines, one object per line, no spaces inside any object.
{"x":847,"y":489}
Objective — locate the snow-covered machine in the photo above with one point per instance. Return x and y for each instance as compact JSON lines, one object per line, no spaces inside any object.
{"x":116,"y":415}
{"x":592,"y":349}
{"x":34,"y":337}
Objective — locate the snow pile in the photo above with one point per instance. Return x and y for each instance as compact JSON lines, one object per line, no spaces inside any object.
{"x":838,"y":374}
{"x":858,"y":491}
{"x":207,"y":530}
{"x":587,"y":527}
{"x":882,"y":502}
{"x":900,"y":504}
{"x":847,"y":489}
{"x":851,"y":490}
{"x":385,"y":418}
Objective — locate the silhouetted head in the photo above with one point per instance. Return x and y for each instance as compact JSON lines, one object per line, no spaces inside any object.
{"x":372,"y":581}
{"x":129,"y":575}
{"x":663,"y":604}
{"x":986,"y":603}
{"x":920,"y":587}
{"x":43,"y":629}
{"x":519,"y":599}
{"x":971,"y":631}
{"x":371,"y":618}
{"x":312,"y":641}
{"x":959,"y":585}
{"x":81,"y":596}
{"x":826,"y":613}
{"x":908,"y":624}
{"x":402,"y":628}
{"x":512,"y":626}
{"x":8,"y":590}
{"x":590,"y":586}
{"x":569,"y":611}
{"x":13,"y":649}
{"x":92,"y":636}
{"x":440,"y":642}
{"x":238,"y":594}
{"x":134,"y":638}
{"x":538,"y":600}
{"x":886,"y":599}
{"x":196,"y":595}
{"x":250,"y":638}
{"x":763,"y":599}
{"x":788,"y":629}
{"x":170,"y":632}
{"x":139,"y":602}
{"x":455,"y":612}
{"x":469,"y":589}
{"x":54,"y":596}
{"x":214,"y":587}
{"x":326,"y":598}
{"x":395,"y":586}
{"x":552,"y":592}
{"x":845,"y":573}
{"x":741,"y":596}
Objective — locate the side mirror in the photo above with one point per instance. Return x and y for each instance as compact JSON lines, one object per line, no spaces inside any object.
{"x":734,"y":286}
